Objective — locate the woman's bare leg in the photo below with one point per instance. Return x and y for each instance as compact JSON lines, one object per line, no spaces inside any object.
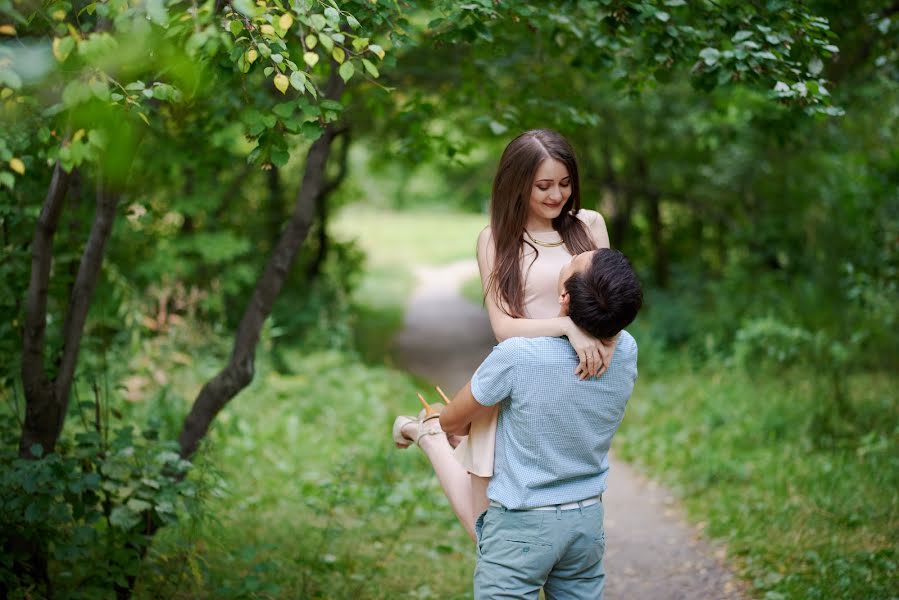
{"x":453,"y":477}
{"x":479,"y":501}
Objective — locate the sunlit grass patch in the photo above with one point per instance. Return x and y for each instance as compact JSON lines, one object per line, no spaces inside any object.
{"x":399,"y":239}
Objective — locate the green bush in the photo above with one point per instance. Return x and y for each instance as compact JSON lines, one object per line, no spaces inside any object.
{"x":91,"y":506}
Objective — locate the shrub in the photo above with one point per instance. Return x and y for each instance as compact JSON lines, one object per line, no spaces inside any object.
{"x":91,"y":506}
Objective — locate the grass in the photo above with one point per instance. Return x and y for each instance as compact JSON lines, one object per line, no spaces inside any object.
{"x":745,"y":454}
{"x":400,"y":240}
{"x":801,"y":518}
{"x":316,"y":502}
{"x":394,"y":243}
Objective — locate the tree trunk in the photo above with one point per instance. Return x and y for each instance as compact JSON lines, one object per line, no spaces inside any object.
{"x":656,"y":235}
{"x":46,"y":401}
{"x":238,"y":373}
{"x":618,"y":218}
{"x":321,"y":207}
{"x":41,"y":406}
{"x":275,"y":206}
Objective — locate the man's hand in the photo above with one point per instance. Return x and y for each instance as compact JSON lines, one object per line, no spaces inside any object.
{"x":456,"y":418}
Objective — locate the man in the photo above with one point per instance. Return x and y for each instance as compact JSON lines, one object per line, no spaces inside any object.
{"x":544,"y":524}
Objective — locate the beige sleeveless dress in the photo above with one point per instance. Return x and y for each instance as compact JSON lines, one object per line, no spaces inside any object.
{"x":541,"y":301}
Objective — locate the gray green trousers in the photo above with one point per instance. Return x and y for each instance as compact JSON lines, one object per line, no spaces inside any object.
{"x":520,"y":552}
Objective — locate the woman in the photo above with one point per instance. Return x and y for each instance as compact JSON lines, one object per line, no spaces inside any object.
{"x":536,"y":226}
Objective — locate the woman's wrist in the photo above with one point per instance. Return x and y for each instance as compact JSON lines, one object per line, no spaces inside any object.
{"x":567,"y":326}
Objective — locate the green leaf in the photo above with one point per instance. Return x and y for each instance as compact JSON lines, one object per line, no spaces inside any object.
{"x":370,"y":67}
{"x":245,"y":7}
{"x":284,"y":109}
{"x":36,"y":450}
{"x":32,"y":513}
{"x":280,"y":156}
{"x":353,"y":22}
{"x":123,"y":518}
{"x":326,"y":41}
{"x":815,"y":65}
{"x":377,"y":50}
{"x":318,"y":22}
{"x":138,"y":505}
{"x":329,"y":104}
{"x":742,"y":35}
{"x":332,"y":15}
{"x":298,"y":80}
{"x":359,"y":44}
{"x":347,"y":70}
{"x":7,"y":179}
{"x":710,"y":56}
{"x":663,"y":16}
{"x":235,"y":27}
{"x":311,"y":131}
{"x":765,"y":55}
{"x":157,"y":12}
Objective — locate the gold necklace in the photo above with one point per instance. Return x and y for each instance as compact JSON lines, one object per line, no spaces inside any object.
{"x":544,"y":244}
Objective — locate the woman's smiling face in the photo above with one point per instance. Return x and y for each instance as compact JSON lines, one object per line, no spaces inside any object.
{"x":549,"y":193}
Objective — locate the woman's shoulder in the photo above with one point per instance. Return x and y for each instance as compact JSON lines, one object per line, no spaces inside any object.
{"x":589,"y":217}
{"x":486,"y":245}
{"x":596,"y":225}
{"x":485,"y":237}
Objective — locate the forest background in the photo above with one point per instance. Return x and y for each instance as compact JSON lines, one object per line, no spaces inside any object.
{"x":207,"y":201}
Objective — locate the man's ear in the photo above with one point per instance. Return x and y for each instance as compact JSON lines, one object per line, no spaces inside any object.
{"x":564,"y":301}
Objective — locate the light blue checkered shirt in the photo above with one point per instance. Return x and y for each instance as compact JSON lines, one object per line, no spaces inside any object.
{"x":554,"y":430}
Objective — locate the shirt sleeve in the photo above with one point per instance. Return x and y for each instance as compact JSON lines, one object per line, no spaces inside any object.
{"x":492,"y":382}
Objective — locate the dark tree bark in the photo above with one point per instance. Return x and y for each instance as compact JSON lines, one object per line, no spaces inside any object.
{"x":41,"y":406}
{"x":321,"y":206}
{"x":275,"y":206}
{"x":47,"y":400}
{"x":239,"y":371}
{"x":619,"y":222}
{"x":652,"y":196}
{"x":660,"y":264}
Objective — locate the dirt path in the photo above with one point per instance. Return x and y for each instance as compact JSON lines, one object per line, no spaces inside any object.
{"x":651,"y":552}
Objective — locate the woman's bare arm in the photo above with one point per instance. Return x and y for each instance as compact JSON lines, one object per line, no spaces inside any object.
{"x":505,"y":326}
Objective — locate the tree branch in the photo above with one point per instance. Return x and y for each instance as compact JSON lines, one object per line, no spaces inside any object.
{"x":83,"y":291}
{"x":240,"y":368}
{"x":37,"y":387}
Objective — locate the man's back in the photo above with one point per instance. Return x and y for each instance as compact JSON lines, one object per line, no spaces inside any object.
{"x":554,"y":429}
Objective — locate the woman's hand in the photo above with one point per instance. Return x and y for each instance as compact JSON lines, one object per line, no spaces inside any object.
{"x":606,"y":350}
{"x":595,"y":354}
{"x":587,"y":348}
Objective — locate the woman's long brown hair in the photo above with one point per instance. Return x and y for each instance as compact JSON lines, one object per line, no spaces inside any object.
{"x":509,"y":208}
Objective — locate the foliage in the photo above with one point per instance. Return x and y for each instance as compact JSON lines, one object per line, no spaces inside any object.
{"x":320,"y":315}
{"x":92,"y":503}
{"x":315,"y":499}
{"x":799,"y":520}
